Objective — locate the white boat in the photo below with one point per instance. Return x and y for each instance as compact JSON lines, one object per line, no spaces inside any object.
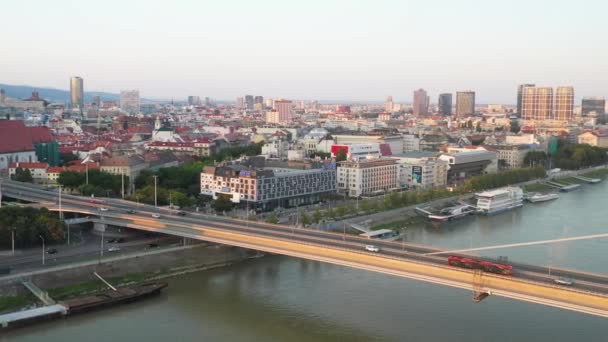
{"x":538,"y":197}
{"x":452,"y":213}
{"x":495,"y":201}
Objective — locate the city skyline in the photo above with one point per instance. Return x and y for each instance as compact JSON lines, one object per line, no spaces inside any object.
{"x":319,"y":52}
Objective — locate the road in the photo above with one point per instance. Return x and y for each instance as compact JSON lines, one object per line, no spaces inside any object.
{"x":185,"y":225}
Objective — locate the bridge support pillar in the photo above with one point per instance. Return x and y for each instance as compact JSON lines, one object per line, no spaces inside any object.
{"x":99,"y":227}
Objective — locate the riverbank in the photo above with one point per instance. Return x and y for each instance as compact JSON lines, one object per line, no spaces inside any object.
{"x":78,"y":279}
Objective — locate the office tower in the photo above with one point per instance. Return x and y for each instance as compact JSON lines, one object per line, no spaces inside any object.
{"x":77,"y":93}
{"x":258,"y":99}
{"x":129,"y":101}
{"x":283,"y":107}
{"x":445,"y":104}
{"x":207,"y":101}
{"x":465,"y":103}
{"x":240,"y":103}
{"x":388,"y":106}
{"x":520,"y":91}
{"x":2,"y":96}
{"x":249,"y":102}
{"x":537,"y":103}
{"x":421,"y":102}
{"x":593,"y":106}
{"x":194,"y":100}
{"x":268,"y":103}
{"x":564,"y":103}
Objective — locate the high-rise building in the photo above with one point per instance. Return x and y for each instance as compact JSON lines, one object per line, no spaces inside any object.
{"x":2,"y":96}
{"x":564,"y":103}
{"x":445,"y":104}
{"x":283,"y":107}
{"x":129,"y":101}
{"x":388,"y":106}
{"x":194,"y":100}
{"x":465,"y":103}
{"x":77,"y":93}
{"x":240,"y":103}
{"x":537,"y":103}
{"x":268,"y":103}
{"x":207,"y":101}
{"x":258,"y":99}
{"x":520,"y":92}
{"x":249,"y":102}
{"x":421,"y":102}
{"x":593,"y":106}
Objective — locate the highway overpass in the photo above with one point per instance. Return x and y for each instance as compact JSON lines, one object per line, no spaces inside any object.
{"x":529,"y":283}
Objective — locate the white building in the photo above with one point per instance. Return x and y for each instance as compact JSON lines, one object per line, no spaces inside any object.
{"x":37,"y":170}
{"x":367,"y":176}
{"x":411,"y":143}
{"x":421,"y":170}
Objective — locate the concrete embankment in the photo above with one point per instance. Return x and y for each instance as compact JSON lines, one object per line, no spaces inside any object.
{"x":155,"y":264}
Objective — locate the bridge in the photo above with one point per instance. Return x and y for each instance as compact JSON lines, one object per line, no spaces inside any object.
{"x":589,"y":294}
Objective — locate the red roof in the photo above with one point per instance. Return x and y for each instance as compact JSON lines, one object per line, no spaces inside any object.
{"x":55,"y":169}
{"x":28,"y":165}
{"x":40,"y":134}
{"x":14,"y":137}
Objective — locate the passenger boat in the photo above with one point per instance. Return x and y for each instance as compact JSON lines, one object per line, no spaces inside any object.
{"x":499,"y":200}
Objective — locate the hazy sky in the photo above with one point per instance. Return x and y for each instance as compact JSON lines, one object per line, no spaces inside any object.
{"x":307,"y":49}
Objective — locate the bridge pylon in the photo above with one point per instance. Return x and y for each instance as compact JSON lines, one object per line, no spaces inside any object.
{"x":479,"y":293}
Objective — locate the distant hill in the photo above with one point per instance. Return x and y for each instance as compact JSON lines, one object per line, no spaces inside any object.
{"x":57,"y":95}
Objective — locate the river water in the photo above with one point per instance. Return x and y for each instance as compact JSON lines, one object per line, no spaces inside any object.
{"x":285,"y":299}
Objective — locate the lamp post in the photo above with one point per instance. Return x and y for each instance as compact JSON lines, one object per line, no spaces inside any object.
{"x":13,"y":241}
{"x":60,"y":211}
{"x":0,"y":192}
{"x":155,"y":198}
{"x":41,"y":238}
{"x":87,"y":172}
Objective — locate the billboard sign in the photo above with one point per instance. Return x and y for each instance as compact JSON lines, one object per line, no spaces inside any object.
{"x":417,"y":174}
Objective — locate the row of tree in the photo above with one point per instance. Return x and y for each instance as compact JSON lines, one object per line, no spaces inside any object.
{"x":496,"y":180}
{"x":569,"y":156}
{"x":99,"y":184}
{"x":29,"y":224}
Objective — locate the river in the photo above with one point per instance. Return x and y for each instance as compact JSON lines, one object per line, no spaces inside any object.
{"x":285,"y":299}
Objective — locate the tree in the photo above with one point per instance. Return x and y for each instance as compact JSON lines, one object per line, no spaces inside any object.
{"x":305,"y":219}
{"x":478,"y":127}
{"x":515,"y":126}
{"x":341,"y":155}
{"x":23,"y":175}
{"x":317,"y":216}
{"x":222,"y":204}
{"x":71,"y":179}
{"x":535,"y":158}
{"x":272,"y":219}
{"x":341,"y":211}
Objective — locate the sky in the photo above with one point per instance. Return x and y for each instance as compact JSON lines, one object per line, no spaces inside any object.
{"x":313,"y":49}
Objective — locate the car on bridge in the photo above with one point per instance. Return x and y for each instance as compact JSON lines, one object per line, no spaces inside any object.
{"x":181,"y":213}
{"x":372,"y":248}
{"x":52,"y":251}
{"x":564,"y":281}
{"x":156,"y":215}
{"x":130,"y":211}
{"x":113,"y":249}
{"x":103,"y":209}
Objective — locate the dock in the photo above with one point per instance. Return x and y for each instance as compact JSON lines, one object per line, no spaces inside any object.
{"x":562,"y":187}
{"x":24,"y":317}
{"x":588,"y":180}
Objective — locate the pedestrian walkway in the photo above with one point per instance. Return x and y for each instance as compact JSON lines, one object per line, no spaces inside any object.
{"x":36,"y":291}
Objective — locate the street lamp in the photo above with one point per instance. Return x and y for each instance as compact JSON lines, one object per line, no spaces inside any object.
{"x":155,"y":198}
{"x":0,"y":192}
{"x":13,"y":240}
{"x":41,"y":238}
{"x":60,"y":211}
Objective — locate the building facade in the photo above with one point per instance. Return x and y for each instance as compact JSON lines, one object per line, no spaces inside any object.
{"x":421,"y":170}
{"x":77,"y":93}
{"x":593,"y":106}
{"x":445,"y":104}
{"x":267,"y":188}
{"x":564,"y":104}
{"x":465,"y":103}
{"x":367,"y":177}
{"x":283,"y":108}
{"x":520,"y":95}
{"x":129,"y":101}
{"x":421,"y":102}
{"x":537,"y":103}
